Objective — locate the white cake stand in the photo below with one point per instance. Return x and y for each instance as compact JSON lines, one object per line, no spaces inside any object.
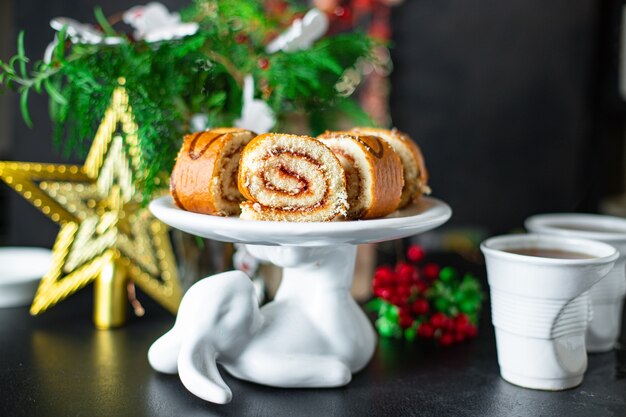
{"x":312,"y":335}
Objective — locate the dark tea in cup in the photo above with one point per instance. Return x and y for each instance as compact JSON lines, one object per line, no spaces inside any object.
{"x":549,"y":253}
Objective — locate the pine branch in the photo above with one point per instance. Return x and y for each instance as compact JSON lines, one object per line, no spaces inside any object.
{"x":170,"y":81}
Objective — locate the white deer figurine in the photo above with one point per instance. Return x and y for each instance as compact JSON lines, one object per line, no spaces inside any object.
{"x":312,"y":335}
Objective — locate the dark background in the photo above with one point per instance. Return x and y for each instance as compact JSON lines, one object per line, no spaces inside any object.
{"x":510,"y":101}
{"x":514,"y":103}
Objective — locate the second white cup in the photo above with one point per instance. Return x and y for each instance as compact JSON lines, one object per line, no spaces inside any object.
{"x":607,"y":296}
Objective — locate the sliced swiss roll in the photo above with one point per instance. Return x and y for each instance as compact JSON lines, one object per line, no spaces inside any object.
{"x":204,"y":179}
{"x":291,"y":178}
{"x":373,"y":172}
{"x":415,"y":173}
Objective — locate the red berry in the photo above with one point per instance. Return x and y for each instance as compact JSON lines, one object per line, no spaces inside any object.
{"x":462,"y":319}
{"x":459,"y":337}
{"x":404,"y":272}
{"x":462,"y":324}
{"x":400,"y":301}
{"x":405,"y":320}
{"x":380,"y":291}
{"x":383,"y":269}
{"x":446,"y":339}
{"x":420,"y":306}
{"x":461,"y":327}
{"x":404,"y":290}
{"x":415,"y":254}
{"x":416,"y":275}
{"x":471,"y":331}
{"x":431,"y":271}
{"x":382,"y":282}
{"x":263,"y":63}
{"x":421,"y":287}
{"x":426,"y":331}
{"x":386,"y":294}
{"x":448,"y":325}
{"x":241,"y":38}
{"x":438,"y":320}
{"x":385,"y":275}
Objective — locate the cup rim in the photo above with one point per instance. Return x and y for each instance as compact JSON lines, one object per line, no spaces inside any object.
{"x":548,"y":223}
{"x":602,"y":252}
{"x":32,"y":263}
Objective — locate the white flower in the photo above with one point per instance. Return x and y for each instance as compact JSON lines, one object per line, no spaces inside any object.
{"x":199,"y":121}
{"x":302,"y":33}
{"x":349,"y":81}
{"x":154,"y":23}
{"x":78,"y":33}
{"x":256,"y":115}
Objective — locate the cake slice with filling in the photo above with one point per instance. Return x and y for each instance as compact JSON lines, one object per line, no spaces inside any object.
{"x":291,"y":178}
{"x":373,"y":172}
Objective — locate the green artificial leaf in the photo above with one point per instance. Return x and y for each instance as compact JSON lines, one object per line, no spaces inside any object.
{"x":388,"y":328}
{"x":374,"y":305}
{"x":448,"y":274}
{"x":59,"y":50}
{"x":37,"y":84}
{"x":216,"y":99}
{"x":55,"y":95}
{"x":410,"y":333}
{"x":24,"y":108}
{"x":442,"y":304}
{"x":103,"y":22}
{"x":391,"y":313}
{"x":22,"y":60}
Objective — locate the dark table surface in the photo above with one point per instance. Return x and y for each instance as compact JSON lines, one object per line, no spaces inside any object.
{"x":57,"y":364}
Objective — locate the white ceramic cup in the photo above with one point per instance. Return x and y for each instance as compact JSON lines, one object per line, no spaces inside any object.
{"x":607,"y":296}
{"x":539,"y":309}
{"x":21,"y":270}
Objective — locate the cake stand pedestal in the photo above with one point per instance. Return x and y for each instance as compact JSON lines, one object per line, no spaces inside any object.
{"x":313,"y":334}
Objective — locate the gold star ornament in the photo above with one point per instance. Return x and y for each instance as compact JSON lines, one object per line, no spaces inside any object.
{"x":106,"y":236}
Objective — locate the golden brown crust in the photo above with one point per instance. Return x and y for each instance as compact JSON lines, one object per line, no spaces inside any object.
{"x":414,"y":186}
{"x":383,"y":167}
{"x":198,"y":165}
